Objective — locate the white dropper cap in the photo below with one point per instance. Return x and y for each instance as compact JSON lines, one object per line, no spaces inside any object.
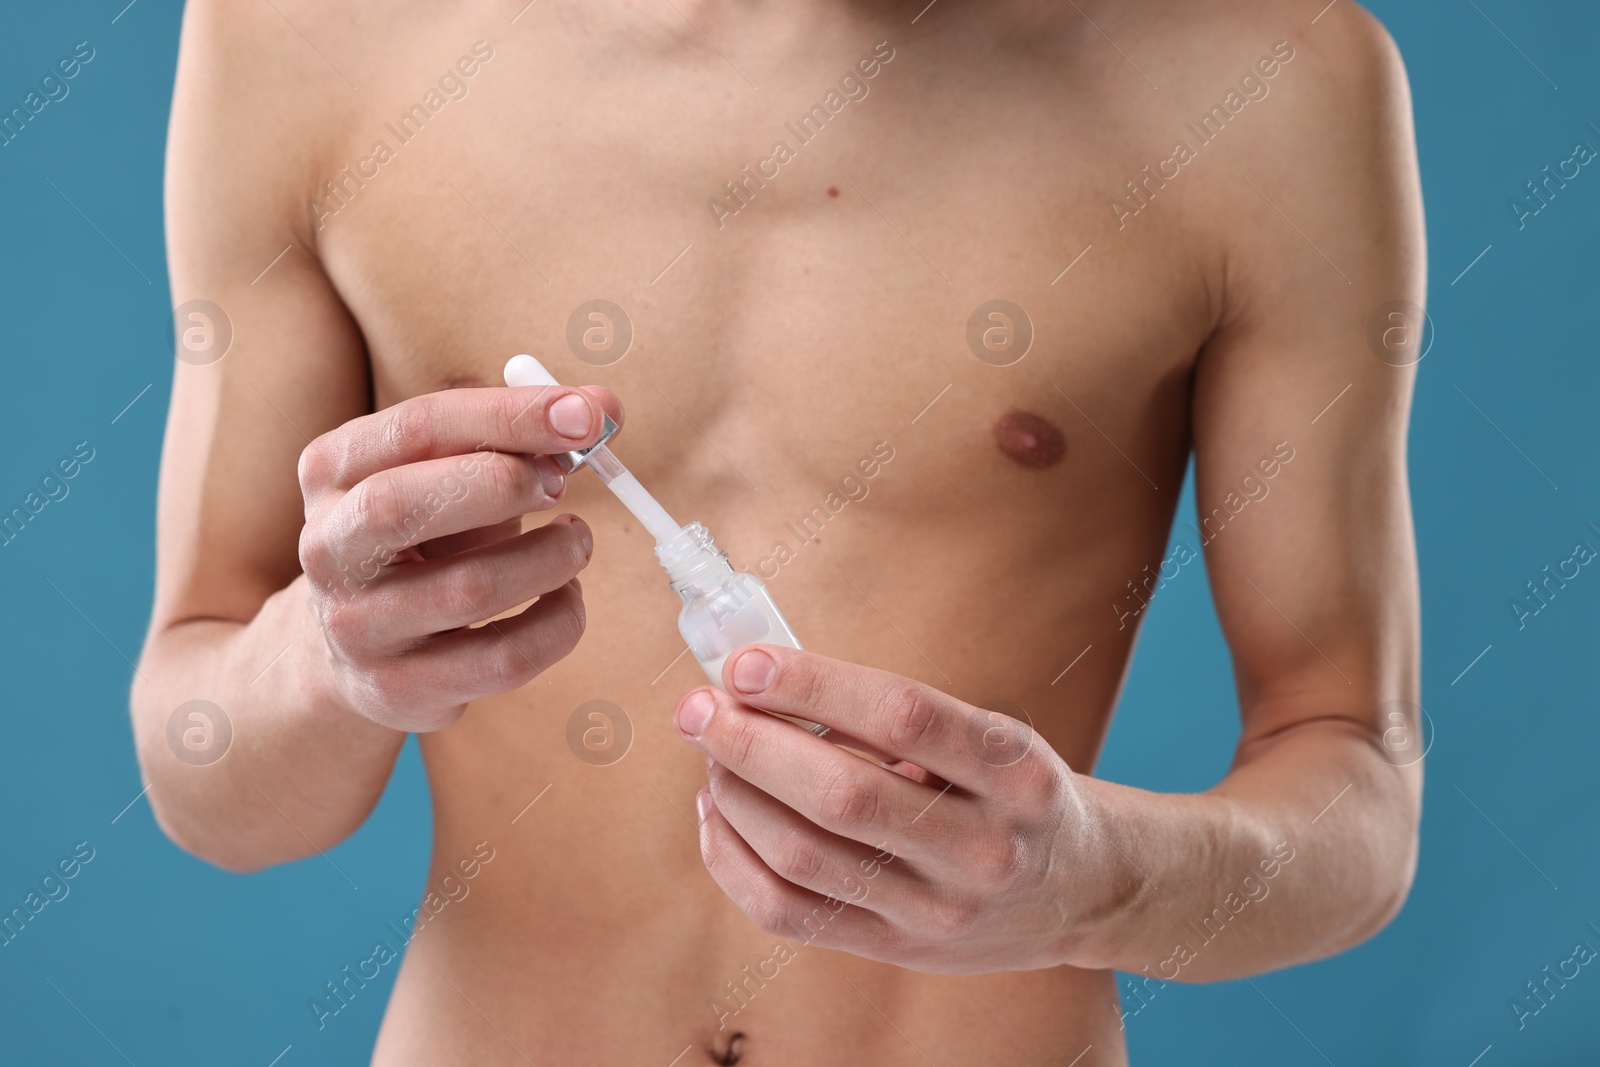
{"x":524,"y":370}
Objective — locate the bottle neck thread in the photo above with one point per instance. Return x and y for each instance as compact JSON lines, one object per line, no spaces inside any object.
{"x":690,"y":557}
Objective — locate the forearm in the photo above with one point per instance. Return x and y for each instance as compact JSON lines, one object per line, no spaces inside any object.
{"x":301,"y":771}
{"x":1306,"y":848}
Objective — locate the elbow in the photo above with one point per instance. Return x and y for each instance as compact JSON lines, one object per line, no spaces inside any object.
{"x":1389,"y":877}
{"x":186,"y":806}
{"x":219,"y":850}
{"x":228,"y":823}
{"x":231,"y":859}
{"x":198,"y":805}
{"x":239,"y":797}
{"x":1392,"y":889}
{"x":210,"y":815}
{"x":1381,"y":844}
{"x":222,"y":826}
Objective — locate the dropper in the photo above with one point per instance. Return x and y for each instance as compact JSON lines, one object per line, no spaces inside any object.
{"x":745,"y":610}
{"x":524,"y":370}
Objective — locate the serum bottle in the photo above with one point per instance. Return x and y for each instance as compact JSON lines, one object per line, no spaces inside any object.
{"x":723,"y":609}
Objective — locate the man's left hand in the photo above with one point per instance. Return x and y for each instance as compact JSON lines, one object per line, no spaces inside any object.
{"x":969,"y":847}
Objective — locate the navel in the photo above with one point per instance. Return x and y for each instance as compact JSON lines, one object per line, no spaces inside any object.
{"x":1031,"y":440}
{"x":733,"y":1055}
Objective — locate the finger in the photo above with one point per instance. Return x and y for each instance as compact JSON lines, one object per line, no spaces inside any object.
{"x":440,"y":547}
{"x":431,"y":596}
{"x":609,"y":401}
{"x":404,"y":506}
{"x":808,"y":856}
{"x":825,"y":784}
{"x":888,"y":713}
{"x":484,"y":661}
{"x":536,"y":420}
{"x":917,"y":774}
{"x":781,"y":908}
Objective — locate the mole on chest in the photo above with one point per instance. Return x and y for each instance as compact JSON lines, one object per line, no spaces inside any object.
{"x":1028,"y":439}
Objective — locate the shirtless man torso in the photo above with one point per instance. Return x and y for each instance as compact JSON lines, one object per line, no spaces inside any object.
{"x":1194,"y":212}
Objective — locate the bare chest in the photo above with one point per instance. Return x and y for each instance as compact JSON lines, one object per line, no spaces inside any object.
{"x":864,"y":249}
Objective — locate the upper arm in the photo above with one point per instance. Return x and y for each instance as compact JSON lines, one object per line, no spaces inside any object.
{"x":1315,"y":575}
{"x":240,"y":157}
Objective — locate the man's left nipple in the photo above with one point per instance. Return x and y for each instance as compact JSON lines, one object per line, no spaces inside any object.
{"x":1029,"y":440}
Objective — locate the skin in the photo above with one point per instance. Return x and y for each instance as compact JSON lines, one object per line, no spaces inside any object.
{"x":976,"y":881}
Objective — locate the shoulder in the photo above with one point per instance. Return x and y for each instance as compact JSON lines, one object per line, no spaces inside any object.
{"x":1351,"y":73}
{"x":1276,"y":90}
{"x":260,"y":61}
{"x":1296,"y":111}
{"x":251,"y":115}
{"x":267,"y":94}
{"x":1337,"y":59}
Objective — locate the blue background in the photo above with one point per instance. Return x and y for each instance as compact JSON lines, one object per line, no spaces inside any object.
{"x":175,"y":962}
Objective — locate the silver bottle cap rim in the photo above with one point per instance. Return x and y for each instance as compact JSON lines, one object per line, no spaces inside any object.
{"x":525,"y":370}
{"x":571,"y":461}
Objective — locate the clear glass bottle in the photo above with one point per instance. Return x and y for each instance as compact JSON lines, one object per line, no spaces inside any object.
{"x":723,"y":609}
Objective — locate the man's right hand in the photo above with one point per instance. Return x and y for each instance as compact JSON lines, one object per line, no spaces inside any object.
{"x":412,"y":535}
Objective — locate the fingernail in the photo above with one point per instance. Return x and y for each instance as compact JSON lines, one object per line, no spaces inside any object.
{"x":703,"y":805}
{"x":550,"y":476}
{"x":753,"y":672}
{"x":570,"y":416}
{"x":584,"y":533}
{"x":695,"y":712}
